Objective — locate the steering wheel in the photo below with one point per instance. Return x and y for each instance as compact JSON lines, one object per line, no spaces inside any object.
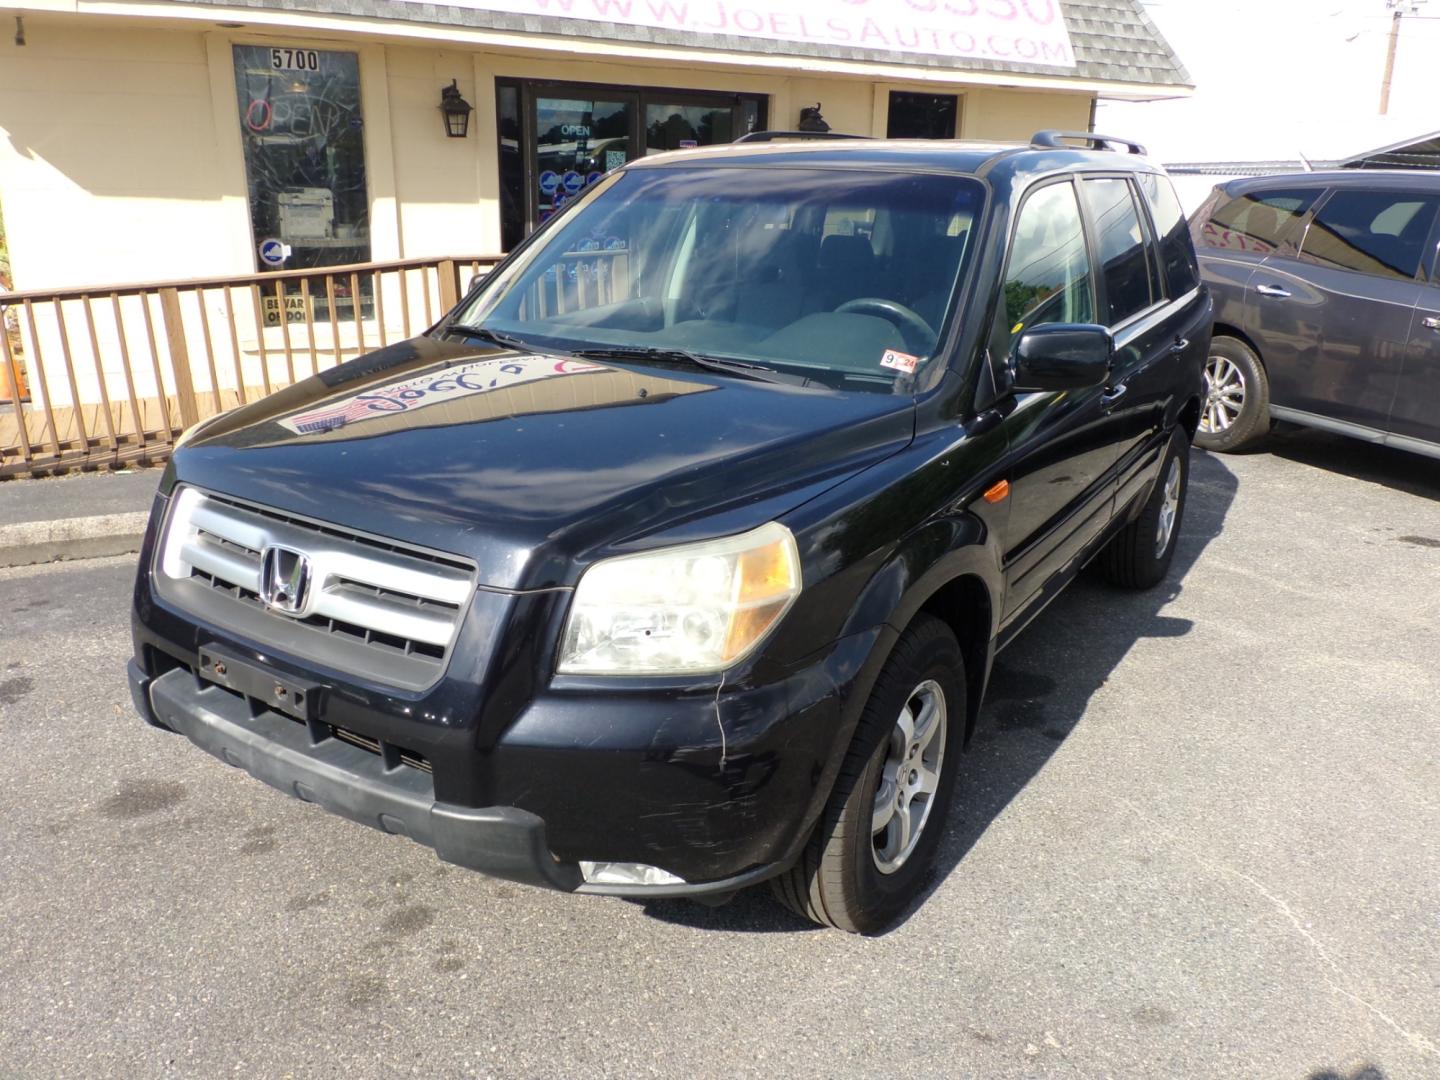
{"x":917,"y":333}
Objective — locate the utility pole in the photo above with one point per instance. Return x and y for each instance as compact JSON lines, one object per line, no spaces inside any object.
{"x":1397,"y":12}
{"x":1390,"y":58}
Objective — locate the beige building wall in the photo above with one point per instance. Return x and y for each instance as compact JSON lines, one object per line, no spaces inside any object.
{"x":995,"y":114}
{"x":120,"y":153}
{"x":443,"y":209}
{"x":121,"y":161}
{"x":848,"y":105}
{"x":108,"y":158}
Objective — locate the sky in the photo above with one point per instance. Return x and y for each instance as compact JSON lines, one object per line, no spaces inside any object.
{"x":1279,"y":78}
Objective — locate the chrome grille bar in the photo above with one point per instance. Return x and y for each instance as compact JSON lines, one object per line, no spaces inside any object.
{"x":332,"y":557}
{"x":378,"y":613}
{"x":227,"y":564}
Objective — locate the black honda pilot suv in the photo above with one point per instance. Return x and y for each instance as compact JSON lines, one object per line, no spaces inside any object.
{"x":674,"y":559}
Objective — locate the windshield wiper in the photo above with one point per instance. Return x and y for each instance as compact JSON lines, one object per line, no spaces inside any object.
{"x":637,"y":352}
{"x":705,"y":363}
{"x":484,"y":333}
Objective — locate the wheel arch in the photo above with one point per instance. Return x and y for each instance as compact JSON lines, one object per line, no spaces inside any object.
{"x":950,"y":569}
{"x":1189,"y":416}
{"x":964,"y":604}
{"x":1223,"y":329}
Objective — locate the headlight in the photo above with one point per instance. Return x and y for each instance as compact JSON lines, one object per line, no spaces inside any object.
{"x":687,"y":609}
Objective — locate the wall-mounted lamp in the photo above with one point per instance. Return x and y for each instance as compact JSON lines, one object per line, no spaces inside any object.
{"x":19,"y":30}
{"x":811,"y":120}
{"x":456,"y":111}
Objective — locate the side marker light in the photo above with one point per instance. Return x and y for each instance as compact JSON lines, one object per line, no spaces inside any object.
{"x":998,"y":492}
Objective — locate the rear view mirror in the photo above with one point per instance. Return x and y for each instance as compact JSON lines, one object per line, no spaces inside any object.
{"x":475,"y":281}
{"x":1061,"y":356}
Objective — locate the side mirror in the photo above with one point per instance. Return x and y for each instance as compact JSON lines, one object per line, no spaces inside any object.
{"x":1061,"y":356}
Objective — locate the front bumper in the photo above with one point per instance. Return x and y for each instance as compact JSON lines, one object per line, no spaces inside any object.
{"x":520,"y":774}
{"x":502,"y":841}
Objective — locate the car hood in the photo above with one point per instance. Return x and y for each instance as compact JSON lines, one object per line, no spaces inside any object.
{"x":535,"y":464}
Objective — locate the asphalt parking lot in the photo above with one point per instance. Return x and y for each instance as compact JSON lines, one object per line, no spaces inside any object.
{"x":1200,"y":837}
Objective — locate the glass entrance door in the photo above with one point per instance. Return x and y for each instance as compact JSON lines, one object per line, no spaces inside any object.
{"x":578,"y":139}
{"x":557,"y":139}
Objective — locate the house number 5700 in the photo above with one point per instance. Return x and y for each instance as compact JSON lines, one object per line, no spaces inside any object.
{"x":294,"y":59}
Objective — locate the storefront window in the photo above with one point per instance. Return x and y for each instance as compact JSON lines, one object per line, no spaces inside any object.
{"x":304,"y":147}
{"x":922,"y":116}
{"x":683,"y":127}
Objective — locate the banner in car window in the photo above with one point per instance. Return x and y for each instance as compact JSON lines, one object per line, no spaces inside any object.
{"x":1009,"y":31}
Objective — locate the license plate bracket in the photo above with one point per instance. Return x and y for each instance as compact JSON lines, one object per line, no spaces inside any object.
{"x":298,"y":698}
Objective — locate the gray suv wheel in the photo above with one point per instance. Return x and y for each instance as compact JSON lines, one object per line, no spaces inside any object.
{"x":1236,"y":410}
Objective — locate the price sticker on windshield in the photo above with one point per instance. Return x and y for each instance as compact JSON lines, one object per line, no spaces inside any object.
{"x":899,"y":361}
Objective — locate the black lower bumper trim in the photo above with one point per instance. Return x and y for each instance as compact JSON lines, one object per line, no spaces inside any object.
{"x":140,"y":695}
{"x":502,"y":841}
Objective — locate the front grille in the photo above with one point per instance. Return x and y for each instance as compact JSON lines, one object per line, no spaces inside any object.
{"x":386,"y":610}
{"x":364,"y":635}
{"x":393,"y":755}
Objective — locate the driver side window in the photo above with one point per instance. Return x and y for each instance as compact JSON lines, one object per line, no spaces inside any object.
{"x":1047,"y":278}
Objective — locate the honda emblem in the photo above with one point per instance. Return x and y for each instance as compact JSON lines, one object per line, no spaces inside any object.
{"x":285,"y":581}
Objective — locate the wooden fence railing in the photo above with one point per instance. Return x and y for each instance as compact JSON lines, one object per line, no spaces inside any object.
{"x":112,"y":374}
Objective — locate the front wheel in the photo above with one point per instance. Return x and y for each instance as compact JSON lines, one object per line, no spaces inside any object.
{"x":874,"y":846}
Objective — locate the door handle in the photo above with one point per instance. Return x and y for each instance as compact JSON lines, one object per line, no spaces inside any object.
{"x":1181,"y":344}
{"x":1431,"y":323}
{"x":1114,"y":394}
{"x":1273,"y":290}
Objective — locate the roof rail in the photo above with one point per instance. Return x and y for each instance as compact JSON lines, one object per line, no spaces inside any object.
{"x":1048,"y":140}
{"x":775,"y":136}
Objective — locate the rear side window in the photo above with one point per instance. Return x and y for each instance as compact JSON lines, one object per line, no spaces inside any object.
{"x":1048,"y":277}
{"x":1257,"y":221}
{"x":1381,"y":233}
{"x":1120,"y":242}
{"x":1179,"y":270}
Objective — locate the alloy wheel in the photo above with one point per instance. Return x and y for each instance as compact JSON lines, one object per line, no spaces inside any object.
{"x":1169,"y":508}
{"x":1224,"y":395}
{"x":909,"y":778}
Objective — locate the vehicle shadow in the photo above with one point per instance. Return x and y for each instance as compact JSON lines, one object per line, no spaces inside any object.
{"x":1042,"y":684}
{"x":1039,"y":691}
{"x":1398,"y":470}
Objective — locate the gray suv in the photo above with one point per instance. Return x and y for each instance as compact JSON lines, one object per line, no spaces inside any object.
{"x":1327,"y":307}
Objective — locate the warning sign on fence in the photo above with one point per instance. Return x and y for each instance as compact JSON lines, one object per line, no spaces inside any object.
{"x":294,"y":309}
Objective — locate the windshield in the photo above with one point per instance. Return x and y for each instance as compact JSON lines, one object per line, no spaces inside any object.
{"x":841,"y":276}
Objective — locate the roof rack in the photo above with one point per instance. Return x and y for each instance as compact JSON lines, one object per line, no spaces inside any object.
{"x":775,"y":136}
{"x":1048,"y":140}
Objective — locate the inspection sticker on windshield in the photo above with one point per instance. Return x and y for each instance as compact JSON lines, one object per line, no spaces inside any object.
{"x":900,"y":361}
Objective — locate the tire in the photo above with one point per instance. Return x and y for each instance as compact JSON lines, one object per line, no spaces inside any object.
{"x":1139,"y":556}
{"x":843,"y":878}
{"x":1236,"y":411}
